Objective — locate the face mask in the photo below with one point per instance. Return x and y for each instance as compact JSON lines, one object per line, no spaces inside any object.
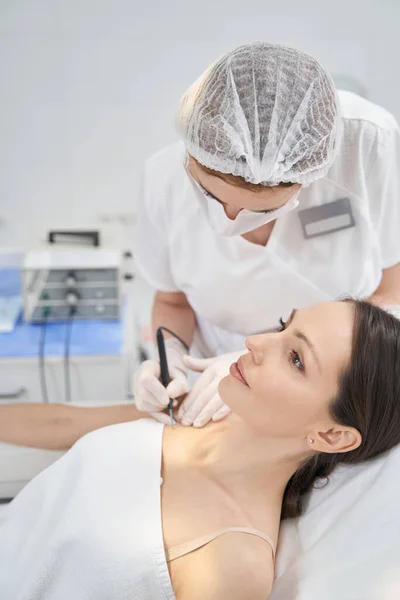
{"x":244,"y":222}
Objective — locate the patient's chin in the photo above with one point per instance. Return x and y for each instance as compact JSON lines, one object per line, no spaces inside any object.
{"x":228,"y":392}
{"x":224,"y":389}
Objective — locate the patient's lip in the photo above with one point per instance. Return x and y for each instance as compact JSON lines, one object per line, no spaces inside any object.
{"x":241,"y":370}
{"x":236,"y":372}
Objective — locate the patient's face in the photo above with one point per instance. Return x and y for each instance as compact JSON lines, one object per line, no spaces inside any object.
{"x":293,"y":375}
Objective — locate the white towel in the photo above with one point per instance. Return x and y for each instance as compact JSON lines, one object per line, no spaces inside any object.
{"x":347,"y":544}
{"x":89,"y":526}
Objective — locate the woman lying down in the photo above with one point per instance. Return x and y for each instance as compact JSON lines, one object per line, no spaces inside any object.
{"x":143,"y":511}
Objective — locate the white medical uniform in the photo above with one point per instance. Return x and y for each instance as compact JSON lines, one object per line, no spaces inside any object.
{"x":237,"y":288}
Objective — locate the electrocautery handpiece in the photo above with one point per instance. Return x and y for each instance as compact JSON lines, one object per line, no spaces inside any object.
{"x":165,"y":378}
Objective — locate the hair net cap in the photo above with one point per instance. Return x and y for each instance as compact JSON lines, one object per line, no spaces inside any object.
{"x":267,"y":113}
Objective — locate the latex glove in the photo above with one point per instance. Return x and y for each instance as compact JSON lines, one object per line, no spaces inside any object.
{"x":162,"y":418}
{"x":149,"y":393}
{"x":203,"y":402}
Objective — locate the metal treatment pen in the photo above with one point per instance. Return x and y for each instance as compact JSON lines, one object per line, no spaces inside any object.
{"x":165,"y":378}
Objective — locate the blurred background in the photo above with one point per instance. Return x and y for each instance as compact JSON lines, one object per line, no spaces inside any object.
{"x":89,"y":88}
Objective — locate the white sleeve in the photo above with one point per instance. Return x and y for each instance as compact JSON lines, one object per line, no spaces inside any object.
{"x":150,"y":247}
{"x":384,"y":193}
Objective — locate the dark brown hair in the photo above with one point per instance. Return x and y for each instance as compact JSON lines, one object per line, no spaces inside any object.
{"x":368,"y":400}
{"x":239,"y":181}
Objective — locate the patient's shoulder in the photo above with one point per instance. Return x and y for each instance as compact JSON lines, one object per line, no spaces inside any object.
{"x":235,"y":566}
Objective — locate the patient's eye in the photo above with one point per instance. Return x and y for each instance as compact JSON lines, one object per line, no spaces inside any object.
{"x":296,"y":360}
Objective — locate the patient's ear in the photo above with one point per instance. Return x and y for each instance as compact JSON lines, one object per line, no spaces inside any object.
{"x":337,"y":439}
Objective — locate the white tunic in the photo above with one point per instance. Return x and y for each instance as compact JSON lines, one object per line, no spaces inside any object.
{"x":89,"y":526}
{"x":237,"y":288}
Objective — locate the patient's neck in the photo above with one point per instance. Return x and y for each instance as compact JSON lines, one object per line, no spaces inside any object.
{"x":234,"y":455}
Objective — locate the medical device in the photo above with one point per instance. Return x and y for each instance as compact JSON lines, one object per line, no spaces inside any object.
{"x":73,"y":269}
{"x":165,"y":378}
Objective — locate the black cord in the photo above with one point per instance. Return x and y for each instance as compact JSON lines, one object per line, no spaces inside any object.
{"x":67,"y":374}
{"x":177,"y":337}
{"x":143,"y":355}
{"x":42,"y":360}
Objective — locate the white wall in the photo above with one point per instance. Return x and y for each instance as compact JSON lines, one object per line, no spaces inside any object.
{"x":88,"y":88}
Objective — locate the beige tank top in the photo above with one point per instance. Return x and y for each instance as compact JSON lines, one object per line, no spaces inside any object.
{"x":182,"y":549}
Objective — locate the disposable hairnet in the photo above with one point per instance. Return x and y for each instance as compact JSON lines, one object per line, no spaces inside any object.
{"x":266,"y":113}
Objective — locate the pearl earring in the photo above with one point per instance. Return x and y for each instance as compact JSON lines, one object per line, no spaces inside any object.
{"x":311,"y":441}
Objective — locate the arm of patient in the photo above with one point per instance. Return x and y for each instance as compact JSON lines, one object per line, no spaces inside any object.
{"x":57,"y":426}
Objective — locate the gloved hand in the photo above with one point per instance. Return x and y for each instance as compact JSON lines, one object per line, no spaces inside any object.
{"x":203,"y":402}
{"x":162,"y":417}
{"x":149,"y":393}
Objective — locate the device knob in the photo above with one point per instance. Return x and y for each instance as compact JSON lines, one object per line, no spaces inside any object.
{"x":71,"y":280}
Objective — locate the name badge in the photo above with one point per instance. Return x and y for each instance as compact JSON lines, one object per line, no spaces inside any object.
{"x":320,"y":220}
